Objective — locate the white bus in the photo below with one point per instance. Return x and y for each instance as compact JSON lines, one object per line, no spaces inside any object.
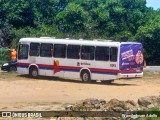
{"x":84,"y":59}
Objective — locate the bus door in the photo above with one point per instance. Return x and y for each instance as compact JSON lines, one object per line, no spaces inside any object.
{"x":22,"y":58}
{"x":131,"y":58}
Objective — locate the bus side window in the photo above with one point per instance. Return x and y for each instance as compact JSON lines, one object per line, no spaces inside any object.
{"x":46,"y":50}
{"x":73,"y":51}
{"x":113,"y":54}
{"x":59,"y":50}
{"x":87,"y":52}
{"x":34,"y":49}
{"x":102,"y":53}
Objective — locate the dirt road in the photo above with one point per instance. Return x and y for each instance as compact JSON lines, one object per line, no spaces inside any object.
{"x":23,"y":93}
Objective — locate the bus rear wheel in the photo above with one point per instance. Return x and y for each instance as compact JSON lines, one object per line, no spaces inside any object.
{"x":85,"y":76}
{"x":33,"y":72}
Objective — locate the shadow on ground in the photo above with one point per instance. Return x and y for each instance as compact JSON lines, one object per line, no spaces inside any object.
{"x":110,"y":82}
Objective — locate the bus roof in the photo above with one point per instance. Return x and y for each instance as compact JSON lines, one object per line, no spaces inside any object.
{"x":74,"y":41}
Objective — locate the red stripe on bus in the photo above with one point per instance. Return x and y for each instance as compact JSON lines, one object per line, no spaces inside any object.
{"x":44,"y":65}
{"x":70,"y":67}
{"x":73,"y":68}
{"x":129,"y":71}
{"x":104,"y":70}
{"x":22,"y":64}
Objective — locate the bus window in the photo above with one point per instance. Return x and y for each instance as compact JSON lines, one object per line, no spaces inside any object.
{"x":34,"y":49}
{"x":59,"y":51}
{"x":46,"y":50}
{"x":73,"y":51}
{"x":23,"y":51}
{"x":113,"y":54}
{"x":87,"y":52}
{"x":102,"y":53}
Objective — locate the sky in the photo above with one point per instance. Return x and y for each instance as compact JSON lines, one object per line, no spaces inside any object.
{"x":153,"y":3}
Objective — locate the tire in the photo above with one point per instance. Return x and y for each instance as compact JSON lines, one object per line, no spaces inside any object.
{"x":33,"y":72}
{"x":12,"y":68}
{"x":85,"y":76}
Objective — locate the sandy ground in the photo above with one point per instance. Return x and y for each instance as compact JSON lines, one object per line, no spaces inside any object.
{"x":47,"y":93}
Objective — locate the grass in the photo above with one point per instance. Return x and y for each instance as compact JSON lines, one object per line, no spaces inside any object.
{"x":8,"y":75}
{"x":151,"y":74}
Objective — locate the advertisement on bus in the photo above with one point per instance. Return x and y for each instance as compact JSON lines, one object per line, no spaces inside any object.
{"x":131,"y":58}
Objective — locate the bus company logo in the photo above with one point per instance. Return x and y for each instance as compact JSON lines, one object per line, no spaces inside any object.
{"x":127,"y":54}
{"x":56,"y":66}
{"x":82,"y":63}
{"x":85,"y":63}
{"x":139,"y":57}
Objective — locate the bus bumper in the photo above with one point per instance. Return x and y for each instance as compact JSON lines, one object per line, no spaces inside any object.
{"x":130,"y":75}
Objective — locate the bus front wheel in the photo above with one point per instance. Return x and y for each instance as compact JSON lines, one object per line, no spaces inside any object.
{"x":85,"y":76}
{"x":33,"y":72}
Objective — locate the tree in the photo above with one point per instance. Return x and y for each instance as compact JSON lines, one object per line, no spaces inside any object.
{"x":19,"y":13}
{"x":149,"y":35}
{"x":5,"y":35}
{"x":73,"y":19}
{"x":120,"y":20}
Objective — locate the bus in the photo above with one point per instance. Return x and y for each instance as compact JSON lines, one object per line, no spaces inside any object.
{"x":79,"y":59}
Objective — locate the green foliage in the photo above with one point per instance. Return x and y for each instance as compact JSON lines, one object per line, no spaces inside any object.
{"x":121,"y":20}
{"x":149,"y":35}
{"x":72,"y":19}
{"x":4,"y":55}
{"x":5,"y":35}
{"x":19,"y":13}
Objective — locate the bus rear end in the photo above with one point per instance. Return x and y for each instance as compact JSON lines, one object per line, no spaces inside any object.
{"x":131,"y":60}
